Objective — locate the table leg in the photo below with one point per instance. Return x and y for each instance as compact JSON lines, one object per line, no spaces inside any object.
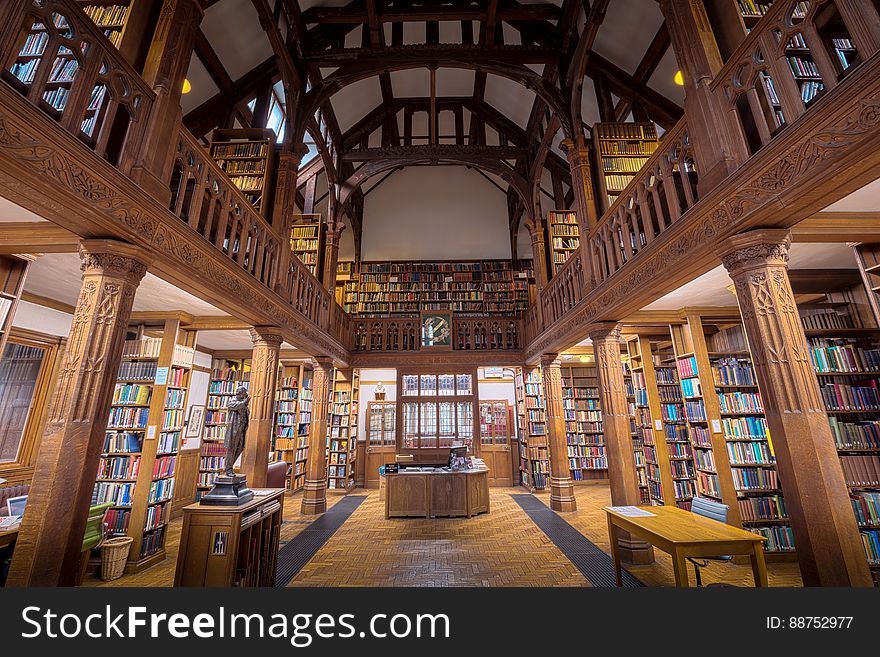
{"x":615,"y":552}
{"x":759,"y":567}
{"x":679,"y":565}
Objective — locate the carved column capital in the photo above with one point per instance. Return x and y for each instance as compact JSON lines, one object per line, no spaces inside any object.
{"x":605,"y":331}
{"x":322,"y":362}
{"x":112,"y":258}
{"x":334,"y":232}
{"x":577,"y":155}
{"x":266,"y":336}
{"x":757,"y":248}
{"x":550,"y":360}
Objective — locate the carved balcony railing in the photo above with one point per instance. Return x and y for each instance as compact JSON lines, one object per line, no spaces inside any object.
{"x":789,"y":61}
{"x":56,"y":57}
{"x":565,"y":290}
{"x":307,"y":296}
{"x":468,"y":334}
{"x":663,"y":190}
{"x":204,"y":197}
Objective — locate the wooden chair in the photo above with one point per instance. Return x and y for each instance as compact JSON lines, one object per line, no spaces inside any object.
{"x":94,"y":536}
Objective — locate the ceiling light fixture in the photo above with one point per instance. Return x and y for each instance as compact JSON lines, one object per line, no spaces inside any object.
{"x":187,"y":87}
{"x":585,"y":359}
{"x":678,"y":79}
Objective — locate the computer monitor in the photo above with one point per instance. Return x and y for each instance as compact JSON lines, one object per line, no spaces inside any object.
{"x":15,"y":505}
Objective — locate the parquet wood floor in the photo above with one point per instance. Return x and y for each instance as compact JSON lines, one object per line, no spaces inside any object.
{"x":503,"y":548}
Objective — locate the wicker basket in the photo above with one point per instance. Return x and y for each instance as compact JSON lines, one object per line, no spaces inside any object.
{"x":114,"y":554}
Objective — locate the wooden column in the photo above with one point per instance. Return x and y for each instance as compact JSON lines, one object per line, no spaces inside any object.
{"x":539,"y":252}
{"x":264,"y":374}
{"x":829,"y":548}
{"x":331,"y":253}
{"x":165,"y":69}
{"x":717,"y":146}
{"x":50,"y":541}
{"x":582,"y":184}
{"x":284,"y":208}
{"x":561,"y":487}
{"x":315,"y":489}
{"x":618,"y":442}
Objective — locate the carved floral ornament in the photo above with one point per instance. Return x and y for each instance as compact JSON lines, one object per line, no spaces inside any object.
{"x":112,"y":264}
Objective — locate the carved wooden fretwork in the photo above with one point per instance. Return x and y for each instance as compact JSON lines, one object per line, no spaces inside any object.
{"x":314,"y":499}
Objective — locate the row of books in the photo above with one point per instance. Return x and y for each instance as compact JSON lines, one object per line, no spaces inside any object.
{"x":118,"y":467}
{"x":136,"y":371}
{"x":106,"y":15}
{"x":582,"y":463}
{"x":169,"y":442}
{"x":164,"y":466}
{"x":762,"y":507}
{"x":855,"y":435}
{"x":582,"y":450}
{"x":860,"y":470}
{"x":156,"y":516}
{"x":744,"y":428}
{"x":230,"y":375}
{"x":121,"y":441}
{"x":750,"y":453}
{"x":175,"y":398}
{"x":740,"y":402}
{"x":239,"y":149}
{"x":733,"y":372}
{"x":824,"y":319}
{"x":214,"y":463}
{"x":128,"y":418}
{"x":161,"y":490}
{"x":623,"y":164}
{"x":829,"y":357}
{"x":842,"y":397}
{"x":780,"y":538}
{"x":866,"y":506}
{"x":749,"y":479}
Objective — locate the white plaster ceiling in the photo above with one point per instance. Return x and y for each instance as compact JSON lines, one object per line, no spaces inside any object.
{"x":627,"y":31}
{"x":229,"y":340}
{"x":11,"y":212}
{"x":57,"y":276}
{"x":234,"y":32}
{"x":202,"y":86}
{"x":710,"y":289}
{"x":866,"y":199}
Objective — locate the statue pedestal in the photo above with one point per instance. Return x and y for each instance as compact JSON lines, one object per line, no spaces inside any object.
{"x":228,"y":491}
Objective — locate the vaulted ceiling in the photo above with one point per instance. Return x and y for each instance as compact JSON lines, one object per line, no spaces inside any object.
{"x":484,"y":83}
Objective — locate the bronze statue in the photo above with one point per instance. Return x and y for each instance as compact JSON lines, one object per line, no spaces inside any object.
{"x":236,"y":428}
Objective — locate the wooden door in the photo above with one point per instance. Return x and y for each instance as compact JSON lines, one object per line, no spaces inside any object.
{"x":495,"y":441}
{"x":381,"y":434}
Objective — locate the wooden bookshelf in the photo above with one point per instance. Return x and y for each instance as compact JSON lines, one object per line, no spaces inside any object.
{"x":342,"y":430}
{"x":534,"y":463}
{"x":635,"y":432}
{"x":583,"y":422}
{"x":346,"y":285}
{"x":649,"y":422}
{"x":142,"y":441}
{"x":524,"y":292}
{"x":307,"y":241}
{"x":868,"y":257}
{"x":226,"y":376}
{"x":848,"y":369}
{"x":622,"y":149}
{"x":247,"y":156}
{"x":285,"y":445}
{"x":481,"y":287}
{"x":564,"y":237}
{"x":13,"y":272}
{"x":126,"y":23}
{"x":304,"y":422}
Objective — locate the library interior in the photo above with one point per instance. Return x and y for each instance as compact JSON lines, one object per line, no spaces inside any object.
{"x":439,"y":293}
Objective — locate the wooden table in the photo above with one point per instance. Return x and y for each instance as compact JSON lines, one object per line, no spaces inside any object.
{"x":7,"y":537}
{"x":449,"y":494}
{"x":684,"y":534}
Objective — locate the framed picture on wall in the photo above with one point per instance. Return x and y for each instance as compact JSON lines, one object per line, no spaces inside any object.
{"x":436,"y":330}
{"x":192,"y":435}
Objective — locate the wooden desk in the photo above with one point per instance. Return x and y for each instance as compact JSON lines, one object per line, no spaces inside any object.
{"x":684,"y":534}
{"x":8,"y":537}
{"x":429,"y":494}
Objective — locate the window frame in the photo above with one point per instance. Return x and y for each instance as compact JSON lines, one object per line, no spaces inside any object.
{"x":21,"y":469}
